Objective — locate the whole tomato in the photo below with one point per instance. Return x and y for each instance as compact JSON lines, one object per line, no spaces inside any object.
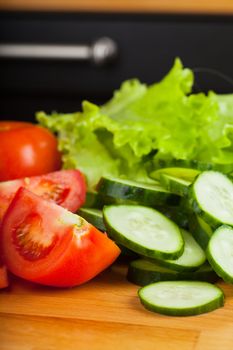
{"x":26,"y":150}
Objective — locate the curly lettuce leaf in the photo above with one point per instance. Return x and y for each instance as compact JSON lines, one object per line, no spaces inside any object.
{"x":140,"y":123}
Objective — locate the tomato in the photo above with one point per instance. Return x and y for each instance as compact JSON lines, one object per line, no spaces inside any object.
{"x":65,"y":187}
{"x":3,"y":276}
{"x":26,"y":150}
{"x":44,"y":243}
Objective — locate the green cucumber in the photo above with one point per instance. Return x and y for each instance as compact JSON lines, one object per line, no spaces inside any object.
{"x":174,"y":184}
{"x":181,"y":173}
{"x":144,"y":194}
{"x":93,"y":200}
{"x":176,"y":214}
{"x":93,"y":216}
{"x":220,"y":252}
{"x":193,"y":164}
{"x":211,"y":197}
{"x":181,"y":298}
{"x":144,"y":230}
{"x":200,"y":230}
{"x":192,"y":258}
{"x":143,"y":272}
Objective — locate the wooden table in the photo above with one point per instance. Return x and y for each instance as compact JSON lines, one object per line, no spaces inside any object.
{"x":104,"y":313}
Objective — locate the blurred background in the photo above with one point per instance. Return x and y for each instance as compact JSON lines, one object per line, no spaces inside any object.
{"x":55,"y":53}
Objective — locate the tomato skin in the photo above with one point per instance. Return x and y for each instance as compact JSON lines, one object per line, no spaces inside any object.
{"x":70,"y":184}
{"x":26,"y":150}
{"x":80,"y":251}
{"x":3,"y":277}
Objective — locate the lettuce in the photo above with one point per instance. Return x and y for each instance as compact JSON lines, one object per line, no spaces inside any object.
{"x":141,"y":123}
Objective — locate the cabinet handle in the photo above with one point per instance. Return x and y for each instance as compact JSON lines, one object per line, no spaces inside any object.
{"x":100,"y":52}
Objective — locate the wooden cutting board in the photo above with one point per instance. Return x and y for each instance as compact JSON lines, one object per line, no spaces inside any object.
{"x":104,"y":313}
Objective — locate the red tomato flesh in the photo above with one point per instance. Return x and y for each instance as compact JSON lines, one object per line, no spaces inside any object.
{"x":26,"y":150}
{"x":65,"y":187}
{"x":44,"y":243}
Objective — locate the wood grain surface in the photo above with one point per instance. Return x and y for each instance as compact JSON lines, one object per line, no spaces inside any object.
{"x":102,"y":314}
{"x":156,"y":6}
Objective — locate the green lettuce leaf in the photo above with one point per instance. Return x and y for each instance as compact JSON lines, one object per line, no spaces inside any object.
{"x":141,"y":123}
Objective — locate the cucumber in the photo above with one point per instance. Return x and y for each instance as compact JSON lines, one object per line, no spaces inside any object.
{"x":220,"y":252}
{"x":174,"y":184}
{"x":127,"y":190}
{"x":193,"y":164}
{"x":181,"y":173}
{"x":200,"y":230}
{"x":181,"y":298}
{"x":176,"y":214}
{"x":211,"y":197}
{"x":93,"y":200}
{"x":143,"y":272}
{"x":144,"y":230}
{"x":191,"y":259}
{"x":93,"y":216}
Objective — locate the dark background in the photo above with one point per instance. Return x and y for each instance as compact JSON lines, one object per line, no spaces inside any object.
{"x":147,"y":44}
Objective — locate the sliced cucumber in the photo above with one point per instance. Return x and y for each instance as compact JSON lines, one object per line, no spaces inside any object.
{"x":176,"y":214}
{"x":200,"y":230}
{"x":93,"y":216}
{"x":181,"y":298}
{"x":181,"y":173}
{"x":149,"y":195}
{"x":191,"y":259}
{"x":144,"y":230}
{"x":220,"y":252}
{"x":193,"y":164}
{"x":93,"y":200}
{"x":211,"y":196}
{"x":143,"y":272}
{"x":174,"y":184}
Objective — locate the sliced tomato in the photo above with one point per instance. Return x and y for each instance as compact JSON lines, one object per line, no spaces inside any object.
{"x":3,"y":276}
{"x":44,"y":243}
{"x":65,"y":187}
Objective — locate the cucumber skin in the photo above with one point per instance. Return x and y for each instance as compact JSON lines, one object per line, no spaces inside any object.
{"x":122,"y":240}
{"x":212,"y":305}
{"x":200,"y":235}
{"x":216,"y":267}
{"x":135,"y":194}
{"x":176,"y":188}
{"x":175,"y":267}
{"x":193,"y":164}
{"x":144,"y":277}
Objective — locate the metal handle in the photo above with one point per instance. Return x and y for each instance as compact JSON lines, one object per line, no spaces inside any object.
{"x":102,"y":51}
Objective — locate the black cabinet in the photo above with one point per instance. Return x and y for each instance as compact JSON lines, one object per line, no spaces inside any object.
{"x":147,"y":46}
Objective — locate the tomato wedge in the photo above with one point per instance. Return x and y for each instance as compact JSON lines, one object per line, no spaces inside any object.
{"x":65,"y":187}
{"x":44,"y":243}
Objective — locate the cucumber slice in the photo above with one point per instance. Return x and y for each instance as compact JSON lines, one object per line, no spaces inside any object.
{"x":175,"y":214}
{"x":220,"y":252}
{"x":181,"y":173}
{"x":149,"y":195}
{"x":211,"y":196}
{"x":200,"y":230}
{"x":174,"y":184}
{"x":143,"y":272}
{"x":93,"y":200}
{"x":181,"y":298}
{"x":193,"y":164}
{"x":144,"y":230}
{"x":191,"y":259}
{"x":93,"y":216}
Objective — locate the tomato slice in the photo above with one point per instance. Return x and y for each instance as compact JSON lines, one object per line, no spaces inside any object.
{"x":3,"y":276}
{"x":44,"y":243}
{"x":65,"y":187}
